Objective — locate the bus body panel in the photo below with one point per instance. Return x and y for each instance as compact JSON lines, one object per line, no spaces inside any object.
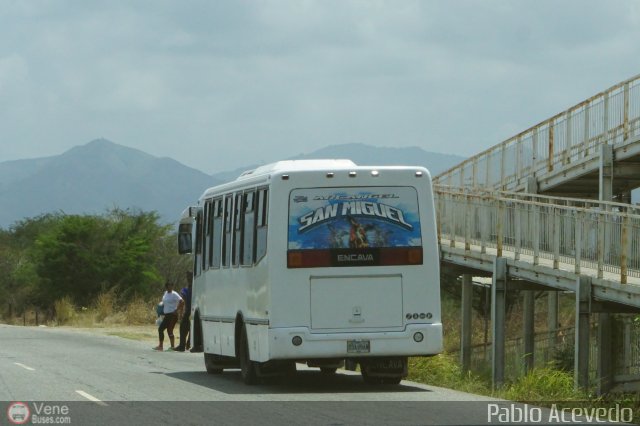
{"x":344,"y":302}
{"x":333,"y":345}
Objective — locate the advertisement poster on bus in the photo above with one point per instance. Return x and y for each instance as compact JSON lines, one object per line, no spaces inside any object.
{"x":353,"y":218}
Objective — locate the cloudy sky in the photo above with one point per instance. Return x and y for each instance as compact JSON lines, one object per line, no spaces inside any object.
{"x":222,"y":84}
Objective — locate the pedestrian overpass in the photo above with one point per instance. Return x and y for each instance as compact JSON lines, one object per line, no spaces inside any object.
{"x":550,"y":210}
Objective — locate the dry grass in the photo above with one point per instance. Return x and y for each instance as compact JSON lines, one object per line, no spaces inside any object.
{"x":104,"y":306}
{"x":140,"y":312}
{"x":65,"y":311}
{"x":103,"y":313}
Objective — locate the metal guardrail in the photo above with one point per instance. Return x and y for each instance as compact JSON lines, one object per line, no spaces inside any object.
{"x":557,"y":348}
{"x":550,"y":349}
{"x":601,"y":236}
{"x":610,"y":117}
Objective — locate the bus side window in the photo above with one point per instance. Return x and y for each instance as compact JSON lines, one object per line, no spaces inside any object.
{"x":262,"y":213}
{"x":249,"y":230}
{"x":206,"y":232}
{"x":226,"y":243}
{"x":197,"y":258}
{"x":238,"y":220}
{"x":216,"y":235}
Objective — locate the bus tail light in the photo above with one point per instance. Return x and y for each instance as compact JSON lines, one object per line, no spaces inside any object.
{"x":414,"y":256}
{"x":401,"y":256}
{"x":308,"y":259}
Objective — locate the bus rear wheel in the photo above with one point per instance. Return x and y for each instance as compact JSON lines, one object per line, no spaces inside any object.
{"x":328,"y":371}
{"x":248,"y":368}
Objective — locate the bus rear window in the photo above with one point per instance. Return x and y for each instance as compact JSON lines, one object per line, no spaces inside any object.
{"x":370,"y":226}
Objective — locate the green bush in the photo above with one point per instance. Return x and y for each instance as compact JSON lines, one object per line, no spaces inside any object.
{"x":563,"y":357}
{"x":443,"y":370}
{"x":543,"y":384}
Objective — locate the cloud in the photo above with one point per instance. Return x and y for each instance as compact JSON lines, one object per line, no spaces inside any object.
{"x":222,"y":84}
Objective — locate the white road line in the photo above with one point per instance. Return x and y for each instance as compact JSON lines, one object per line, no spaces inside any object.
{"x":91,"y":398}
{"x":24,"y":366}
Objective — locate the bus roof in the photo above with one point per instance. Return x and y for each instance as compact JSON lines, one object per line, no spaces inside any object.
{"x":293,"y":165}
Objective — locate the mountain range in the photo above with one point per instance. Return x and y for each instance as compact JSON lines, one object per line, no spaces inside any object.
{"x":100,"y":175}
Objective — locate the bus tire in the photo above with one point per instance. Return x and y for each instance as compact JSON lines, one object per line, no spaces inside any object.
{"x":328,"y":371}
{"x":391,"y":380}
{"x":248,"y":368}
{"x":373,"y":380}
{"x":370,"y":380}
{"x":211,"y":364}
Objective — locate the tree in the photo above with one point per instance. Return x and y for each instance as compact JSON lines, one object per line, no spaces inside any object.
{"x":84,"y":256}
{"x":48,"y":257}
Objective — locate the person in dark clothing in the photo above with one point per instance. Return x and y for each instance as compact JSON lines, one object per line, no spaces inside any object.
{"x":185,"y":322}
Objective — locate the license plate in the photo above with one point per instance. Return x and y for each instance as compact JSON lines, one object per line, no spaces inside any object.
{"x":358,"y":346}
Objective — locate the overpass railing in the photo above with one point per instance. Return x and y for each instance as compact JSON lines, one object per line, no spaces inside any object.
{"x":601,"y":236}
{"x":610,"y":117}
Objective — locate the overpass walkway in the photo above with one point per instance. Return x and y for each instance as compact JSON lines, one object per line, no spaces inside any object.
{"x":511,"y":213}
{"x":563,"y":153}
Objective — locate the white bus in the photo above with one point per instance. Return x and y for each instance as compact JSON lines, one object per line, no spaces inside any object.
{"x":319,"y":262}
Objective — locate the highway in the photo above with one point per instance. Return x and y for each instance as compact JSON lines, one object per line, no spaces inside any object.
{"x":112,"y":380}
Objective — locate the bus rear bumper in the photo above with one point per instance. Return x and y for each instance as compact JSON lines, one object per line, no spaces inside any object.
{"x":355,"y":345}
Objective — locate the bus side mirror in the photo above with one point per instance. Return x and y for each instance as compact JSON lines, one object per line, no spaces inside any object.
{"x":184,"y":239}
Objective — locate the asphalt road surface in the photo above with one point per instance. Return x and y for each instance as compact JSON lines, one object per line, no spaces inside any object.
{"x":104,"y":379}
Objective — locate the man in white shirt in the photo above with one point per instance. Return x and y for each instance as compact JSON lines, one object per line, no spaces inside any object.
{"x":171,"y":301}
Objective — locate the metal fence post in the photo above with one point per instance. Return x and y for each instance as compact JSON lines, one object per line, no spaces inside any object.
{"x":624,"y":249}
{"x":550,"y":148}
{"x":587,"y":110}
{"x":625,"y":122}
{"x":484,"y":224}
{"x":517,"y":213}
{"x":605,"y":118}
{"x":466,"y":323}
{"x":467,"y":226}
{"x":601,"y":226}
{"x":499,"y":228}
{"x":556,"y":237}
{"x":536,"y":234}
{"x":498,"y":295}
{"x":452,"y":243}
{"x":578,"y":248}
{"x":582,"y":332}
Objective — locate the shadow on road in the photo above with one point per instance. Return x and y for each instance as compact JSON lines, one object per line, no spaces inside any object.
{"x":305,"y":381}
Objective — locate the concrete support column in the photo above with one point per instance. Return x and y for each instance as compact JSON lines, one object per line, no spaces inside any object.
{"x":553,"y":299}
{"x":605,"y":358}
{"x":605,"y":365}
{"x":583,"y":313}
{"x":498,"y":299}
{"x":528,"y":329}
{"x":529,"y":303}
{"x":531,"y":185}
{"x":465,"y":333}
{"x":627,"y":357}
